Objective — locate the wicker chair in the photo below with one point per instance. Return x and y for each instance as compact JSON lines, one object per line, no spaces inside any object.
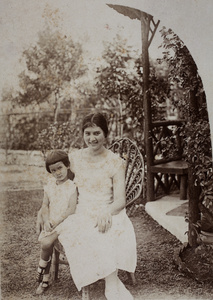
{"x":129,"y":151}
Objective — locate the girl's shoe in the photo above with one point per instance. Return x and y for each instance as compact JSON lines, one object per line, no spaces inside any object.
{"x":40,"y":273}
{"x":41,"y":269}
{"x":43,"y":286}
{"x":85,"y":293}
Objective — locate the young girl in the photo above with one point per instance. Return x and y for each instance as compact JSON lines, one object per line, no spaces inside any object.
{"x":60,"y":199}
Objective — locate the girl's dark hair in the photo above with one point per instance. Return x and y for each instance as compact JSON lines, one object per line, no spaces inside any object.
{"x":55,"y":156}
{"x":97,"y":119}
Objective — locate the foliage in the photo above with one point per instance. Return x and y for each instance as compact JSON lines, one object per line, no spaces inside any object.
{"x":197,"y":143}
{"x":205,"y":180}
{"x":59,"y":136}
{"x":159,"y":88}
{"x":22,"y":131}
{"x":8,"y":100}
{"x":119,"y":83}
{"x":198,"y":151}
{"x":187,"y":94}
{"x":166,"y":142}
{"x":51,"y":64}
{"x":50,"y":81}
{"x":186,"y":86}
{"x":113,"y":79}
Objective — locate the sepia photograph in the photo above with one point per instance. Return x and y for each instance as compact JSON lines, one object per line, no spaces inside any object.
{"x":106,"y":175}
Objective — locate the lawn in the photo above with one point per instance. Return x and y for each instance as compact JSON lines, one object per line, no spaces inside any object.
{"x":157,"y":277}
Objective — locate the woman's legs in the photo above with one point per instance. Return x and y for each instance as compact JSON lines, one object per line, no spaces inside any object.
{"x":115,"y":289}
{"x":85,"y":293}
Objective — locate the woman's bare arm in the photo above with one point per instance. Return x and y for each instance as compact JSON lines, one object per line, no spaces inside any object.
{"x":119,"y":193}
{"x":104,"y":221}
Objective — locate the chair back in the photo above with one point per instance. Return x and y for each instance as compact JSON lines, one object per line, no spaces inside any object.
{"x":129,"y":151}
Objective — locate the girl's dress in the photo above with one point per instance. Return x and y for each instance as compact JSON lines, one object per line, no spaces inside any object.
{"x":93,"y":255}
{"x":59,"y":197}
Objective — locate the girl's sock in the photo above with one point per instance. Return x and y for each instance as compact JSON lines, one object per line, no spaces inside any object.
{"x":43,"y":263}
{"x":41,"y":269}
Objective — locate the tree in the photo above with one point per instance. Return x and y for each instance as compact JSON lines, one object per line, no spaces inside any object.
{"x":117,"y":79}
{"x":48,"y":83}
{"x":183,"y":76}
{"x":120,"y":83}
{"x":51,"y":64}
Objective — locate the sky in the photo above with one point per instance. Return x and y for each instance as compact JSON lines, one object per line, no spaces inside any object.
{"x":91,"y":22}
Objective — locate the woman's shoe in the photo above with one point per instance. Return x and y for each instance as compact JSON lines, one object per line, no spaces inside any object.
{"x":85,"y":293}
{"x":43,"y":286}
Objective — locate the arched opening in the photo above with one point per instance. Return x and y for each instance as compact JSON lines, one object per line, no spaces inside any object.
{"x":177,"y":151}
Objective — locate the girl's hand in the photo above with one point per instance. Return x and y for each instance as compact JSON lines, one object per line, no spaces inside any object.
{"x":104,"y":222}
{"x":39,"y":223}
{"x":48,"y":226}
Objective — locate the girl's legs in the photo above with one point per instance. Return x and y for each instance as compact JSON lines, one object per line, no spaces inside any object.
{"x":45,"y":261}
{"x":44,"y":284}
{"x":115,"y":289}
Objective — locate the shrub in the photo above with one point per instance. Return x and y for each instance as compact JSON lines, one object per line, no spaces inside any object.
{"x":59,"y":136}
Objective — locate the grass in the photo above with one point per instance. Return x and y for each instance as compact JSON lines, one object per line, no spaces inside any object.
{"x":157,"y":277}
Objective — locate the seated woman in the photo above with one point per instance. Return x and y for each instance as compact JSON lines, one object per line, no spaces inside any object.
{"x":99,"y":238}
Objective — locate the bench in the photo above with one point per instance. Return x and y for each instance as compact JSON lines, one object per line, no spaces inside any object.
{"x":168,"y":170}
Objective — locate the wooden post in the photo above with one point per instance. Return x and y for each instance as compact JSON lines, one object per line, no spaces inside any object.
{"x":145,"y":25}
{"x":145,"y":20}
{"x":194,"y":193}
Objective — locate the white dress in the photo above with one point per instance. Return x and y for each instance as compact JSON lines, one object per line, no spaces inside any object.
{"x":93,"y":255}
{"x":59,"y":198}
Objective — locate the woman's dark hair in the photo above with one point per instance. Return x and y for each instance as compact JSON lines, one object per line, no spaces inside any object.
{"x":55,"y":156}
{"x":96,"y":119}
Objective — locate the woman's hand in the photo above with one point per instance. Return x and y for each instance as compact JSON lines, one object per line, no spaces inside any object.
{"x":104,"y":222}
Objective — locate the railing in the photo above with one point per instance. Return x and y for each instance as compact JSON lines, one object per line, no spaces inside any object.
{"x":167,"y":141}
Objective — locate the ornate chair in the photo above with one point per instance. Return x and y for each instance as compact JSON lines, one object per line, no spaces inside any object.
{"x":129,"y":151}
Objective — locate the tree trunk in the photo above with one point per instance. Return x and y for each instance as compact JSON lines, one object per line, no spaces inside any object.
{"x":57,"y":106}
